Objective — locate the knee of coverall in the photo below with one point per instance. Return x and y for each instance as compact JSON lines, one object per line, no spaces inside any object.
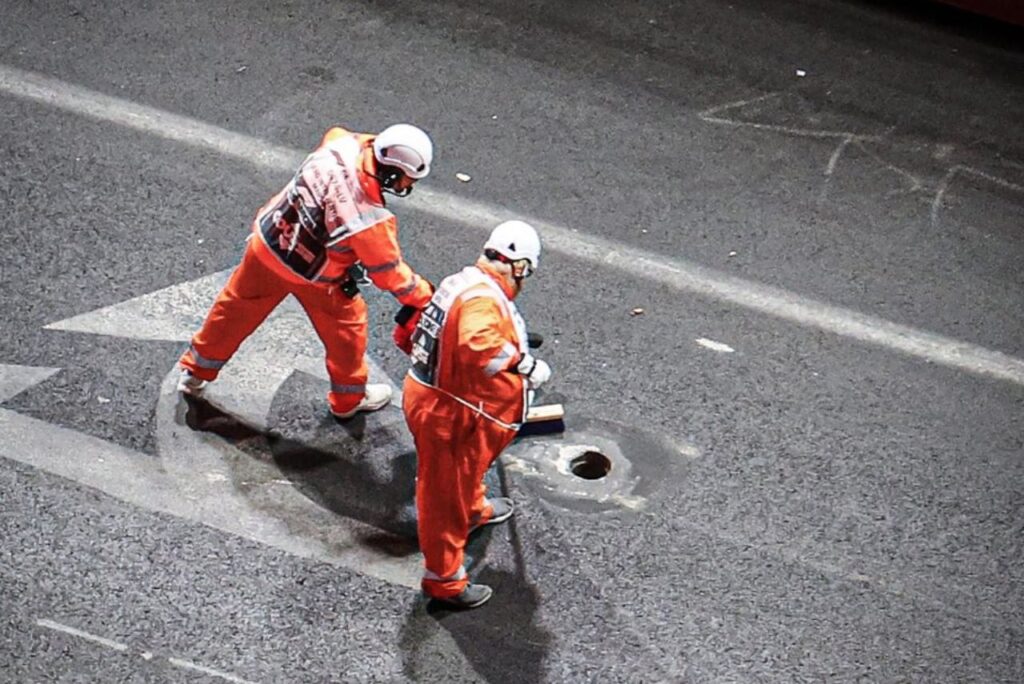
{"x":340,"y":322}
{"x":245,"y":301}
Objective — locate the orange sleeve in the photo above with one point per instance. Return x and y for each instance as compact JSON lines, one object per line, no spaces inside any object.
{"x":332,"y":134}
{"x":377,"y":248}
{"x":482,"y":345}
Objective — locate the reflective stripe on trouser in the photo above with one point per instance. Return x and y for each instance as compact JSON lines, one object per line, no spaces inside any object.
{"x":251,"y":293}
{"x":454,"y":448}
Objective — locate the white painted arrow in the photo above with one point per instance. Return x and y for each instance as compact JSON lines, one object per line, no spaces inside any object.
{"x":124,"y":473}
{"x":224,"y":487}
{"x":16,"y":379}
{"x":139,"y":479}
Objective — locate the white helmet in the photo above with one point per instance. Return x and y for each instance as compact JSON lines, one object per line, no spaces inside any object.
{"x":515,"y":240}
{"x":405,"y":147}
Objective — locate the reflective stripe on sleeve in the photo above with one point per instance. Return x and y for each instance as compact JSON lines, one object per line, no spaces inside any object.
{"x":495,"y":365}
{"x":402,"y":291}
{"x":389,"y":266}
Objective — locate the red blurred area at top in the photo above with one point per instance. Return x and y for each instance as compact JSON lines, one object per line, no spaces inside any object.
{"x":1011,"y":11}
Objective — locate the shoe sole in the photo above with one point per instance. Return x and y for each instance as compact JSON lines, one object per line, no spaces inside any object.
{"x":361,"y":409}
{"x":492,"y":521}
{"x":448,"y":603}
{"x":495,"y":520}
{"x":499,"y":520}
{"x":353,"y":414}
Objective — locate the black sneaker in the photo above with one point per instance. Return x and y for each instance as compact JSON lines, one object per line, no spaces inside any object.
{"x":473,"y":596}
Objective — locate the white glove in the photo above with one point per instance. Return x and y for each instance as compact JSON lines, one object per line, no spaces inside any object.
{"x":535,"y":371}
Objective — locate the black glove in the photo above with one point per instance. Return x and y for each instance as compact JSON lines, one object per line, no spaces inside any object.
{"x":405,"y":313}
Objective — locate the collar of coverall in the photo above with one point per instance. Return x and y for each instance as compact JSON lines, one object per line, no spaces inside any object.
{"x":368,"y":173}
{"x":497,"y":276}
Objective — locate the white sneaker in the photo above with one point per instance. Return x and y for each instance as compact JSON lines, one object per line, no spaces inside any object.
{"x":376,"y":398}
{"x":190,"y":384}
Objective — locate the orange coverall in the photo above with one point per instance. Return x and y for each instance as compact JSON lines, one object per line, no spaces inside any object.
{"x":461,"y":405}
{"x":329,"y":217}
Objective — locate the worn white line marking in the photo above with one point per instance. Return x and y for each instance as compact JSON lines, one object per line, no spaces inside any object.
{"x":145,"y":655}
{"x":57,"y":627}
{"x":838,"y":152}
{"x":674,"y":273}
{"x":940,"y":192}
{"x":831,"y":167}
{"x":177,"y":662}
{"x":714,"y":346}
{"x":915,"y":182}
{"x":712,"y":116}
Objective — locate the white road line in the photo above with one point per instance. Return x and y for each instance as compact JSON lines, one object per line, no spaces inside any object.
{"x":675,"y":273}
{"x":148,"y":483}
{"x":145,"y":655}
{"x":16,"y":379}
{"x":107,"y":643}
{"x":177,"y":662}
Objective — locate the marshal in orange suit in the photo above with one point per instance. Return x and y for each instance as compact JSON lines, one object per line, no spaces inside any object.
{"x":464,"y":399}
{"x":304,"y":242}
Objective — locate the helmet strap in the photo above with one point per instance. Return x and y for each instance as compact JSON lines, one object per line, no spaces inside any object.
{"x":495,"y":255}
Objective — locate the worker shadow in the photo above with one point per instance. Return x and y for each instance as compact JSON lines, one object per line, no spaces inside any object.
{"x":500,"y":641}
{"x":337,"y":475}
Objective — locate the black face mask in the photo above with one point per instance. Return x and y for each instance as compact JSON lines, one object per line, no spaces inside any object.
{"x":399,"y":193}
{"x":389,"y":177}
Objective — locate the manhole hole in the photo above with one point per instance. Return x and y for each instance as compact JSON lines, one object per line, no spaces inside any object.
{"x":590,"y":465}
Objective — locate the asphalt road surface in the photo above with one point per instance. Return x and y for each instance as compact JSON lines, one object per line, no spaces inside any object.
{"x":782,"y":293}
